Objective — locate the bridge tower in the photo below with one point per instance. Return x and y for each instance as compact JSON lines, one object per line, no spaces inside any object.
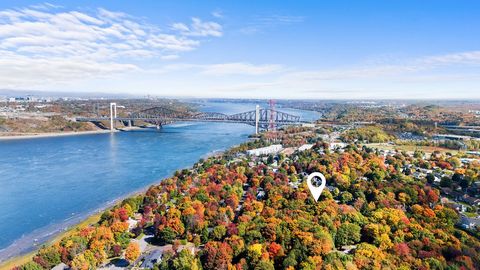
{"x":257,"y":118}
{"x":113,"y":114}
{"x":272,"y":115}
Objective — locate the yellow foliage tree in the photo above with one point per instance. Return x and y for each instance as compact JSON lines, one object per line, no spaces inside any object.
{"x":132,"y":252}
{"x":254,"y":252}
{"x":80,"y":263}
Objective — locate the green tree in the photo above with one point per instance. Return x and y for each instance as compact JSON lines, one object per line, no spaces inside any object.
{"x":446,"y":182}
{"x":447,"y":217}
{"x":219,"y":232}
{"x":49,"y":256}
{"x":346,"y":197}
{"x":347,"y":234}
{"x":430,"y":178}
{"x":264,"y":265}
{"x":167,"y":235}
{"x":185,"y":261}
{"x":32,"y":266}
{"x":290,"y":260}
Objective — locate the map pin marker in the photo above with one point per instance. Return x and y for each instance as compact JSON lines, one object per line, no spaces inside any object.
{"x":316,"y":191}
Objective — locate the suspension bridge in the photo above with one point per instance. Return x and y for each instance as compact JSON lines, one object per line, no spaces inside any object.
{"x":260,"y":118}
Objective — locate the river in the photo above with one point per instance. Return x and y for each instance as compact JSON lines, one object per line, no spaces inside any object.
{"x":47,"y":184}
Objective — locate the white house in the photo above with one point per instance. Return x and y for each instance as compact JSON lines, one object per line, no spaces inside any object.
{"x":305,"y":147}
{"x":272,"y":149}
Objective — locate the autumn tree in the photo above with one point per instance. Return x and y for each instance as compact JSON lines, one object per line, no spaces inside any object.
{"x":347,"y":234}
{"x":186,"y":261}
{"x":216,"y":255}
{"x":132,"y":252}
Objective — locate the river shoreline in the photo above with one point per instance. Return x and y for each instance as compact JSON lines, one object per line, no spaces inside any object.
{"x":20,"y":136}
{"x":50,"y":135}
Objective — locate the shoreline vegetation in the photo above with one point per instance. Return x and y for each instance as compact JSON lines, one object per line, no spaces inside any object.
{"x":24,"y":258}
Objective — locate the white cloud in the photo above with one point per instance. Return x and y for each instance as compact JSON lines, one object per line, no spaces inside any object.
{"x":427,"y":63}
{"x":180,"y":27}
{"x":217,"y":14}
{"x":44,"y":44}
{"x":78,"y":33}
{"x":45,"y":6}
{"x":452,"y":75}
{"x":260,"y":23}
{"x":240,"y":69}
{"x":279,"y":19}
{"x":292,"y":77}
{"x":170,"y":57}
{"x":18,"y":71}
{"x":111,"y":15}
{"x":471,"y":57}
{"x":224,"y":69}
{"x":199,"y":28}
{"x":448,"y":75}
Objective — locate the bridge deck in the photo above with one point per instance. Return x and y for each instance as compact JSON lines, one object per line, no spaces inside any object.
{"x":264,"y":118}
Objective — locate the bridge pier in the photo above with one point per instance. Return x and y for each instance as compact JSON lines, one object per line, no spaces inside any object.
{"x":113,"y":115}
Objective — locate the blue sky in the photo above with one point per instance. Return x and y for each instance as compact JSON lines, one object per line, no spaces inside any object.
{"x":251,"y":49}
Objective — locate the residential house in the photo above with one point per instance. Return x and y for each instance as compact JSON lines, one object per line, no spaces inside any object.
{"x":305,"y":147}
{"x":60,"y":266}
{"x":469,"y":223}
{"x":272,"y":149}
{"x":151,"y":259}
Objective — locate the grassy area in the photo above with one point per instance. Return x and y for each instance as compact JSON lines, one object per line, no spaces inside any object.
{"x":19,"y":260}
{"x":471,"y":215}
{"x":140,"y":236}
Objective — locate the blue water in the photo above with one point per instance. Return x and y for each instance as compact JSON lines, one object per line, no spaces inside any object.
{"x":48,"y":181}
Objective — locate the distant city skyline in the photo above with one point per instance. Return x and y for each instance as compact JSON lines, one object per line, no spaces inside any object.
{"x":235,"y":49}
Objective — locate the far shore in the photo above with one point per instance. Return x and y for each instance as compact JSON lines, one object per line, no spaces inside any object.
{"x":19,"y":136}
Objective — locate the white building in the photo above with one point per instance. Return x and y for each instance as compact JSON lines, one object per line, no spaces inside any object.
{"x":60,"y":266}
{"x":310,"y":125}
{"x":335,"y":145}
{"x":305,"y":147}
{"x":132,"y":223}
{"x":468,"y":160}
{"x":272,"y":149}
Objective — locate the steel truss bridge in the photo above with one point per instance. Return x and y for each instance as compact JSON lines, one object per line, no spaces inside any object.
{"x":260,"y":118}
